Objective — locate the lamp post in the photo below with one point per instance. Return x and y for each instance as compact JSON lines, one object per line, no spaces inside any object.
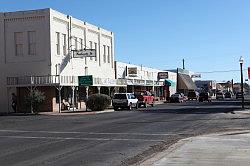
{"x":241,"y":78}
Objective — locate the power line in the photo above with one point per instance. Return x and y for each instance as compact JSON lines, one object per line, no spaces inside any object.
{"x":221,"y":71}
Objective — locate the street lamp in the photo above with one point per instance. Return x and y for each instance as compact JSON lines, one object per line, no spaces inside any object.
{"x":241,"y":78}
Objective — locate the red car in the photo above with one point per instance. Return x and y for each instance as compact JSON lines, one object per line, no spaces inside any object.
{"x":145,"y":98}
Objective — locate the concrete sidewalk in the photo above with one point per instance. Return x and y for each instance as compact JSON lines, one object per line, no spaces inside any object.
{"x":224,"y":149}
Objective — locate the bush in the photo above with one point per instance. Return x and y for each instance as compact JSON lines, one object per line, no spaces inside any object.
{"x":98,"y":102}
{"x":34,"y":99}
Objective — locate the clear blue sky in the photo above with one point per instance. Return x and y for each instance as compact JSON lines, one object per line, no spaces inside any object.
{"x":210,"y":35}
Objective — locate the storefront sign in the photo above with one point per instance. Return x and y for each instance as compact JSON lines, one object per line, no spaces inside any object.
{"x":162,"y":75}
{"x":132,"y":71}
{"x":85,"y":80}
{"x":248,"y":72}
{"x":196,"y":76}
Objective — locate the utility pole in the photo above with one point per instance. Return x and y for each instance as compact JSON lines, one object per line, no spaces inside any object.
{"x":242,"y":86}
{"x":183,"y":63}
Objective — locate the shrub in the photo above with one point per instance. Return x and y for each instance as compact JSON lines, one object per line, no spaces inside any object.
{"x":34,"y":99}
{"x":98,"y":102}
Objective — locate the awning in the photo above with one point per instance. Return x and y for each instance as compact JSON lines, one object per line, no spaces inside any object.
{"x":185,"y":82}
{"x":168,"y":82}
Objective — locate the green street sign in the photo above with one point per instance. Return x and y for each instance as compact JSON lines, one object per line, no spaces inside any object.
{"x":85,"y":80}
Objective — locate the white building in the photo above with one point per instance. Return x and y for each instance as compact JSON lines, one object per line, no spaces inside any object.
{"x":35,"y":51}
{"x":139,"y":77}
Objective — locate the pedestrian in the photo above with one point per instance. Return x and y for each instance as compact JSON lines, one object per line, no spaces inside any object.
{"x":14,"y":102}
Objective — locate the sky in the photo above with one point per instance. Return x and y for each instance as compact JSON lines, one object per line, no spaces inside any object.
{"x":211,"y":35}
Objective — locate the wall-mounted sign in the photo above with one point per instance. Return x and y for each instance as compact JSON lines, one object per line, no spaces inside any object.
{"x":162,"y":75}
{"x":248,"y":72}
{"x":132,"y":71}
{"x":196,"y":76}
{"x":85,"y":80}
{"x":84,"y":53}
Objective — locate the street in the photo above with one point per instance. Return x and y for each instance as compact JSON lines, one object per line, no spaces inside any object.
{"x":117,"y":138}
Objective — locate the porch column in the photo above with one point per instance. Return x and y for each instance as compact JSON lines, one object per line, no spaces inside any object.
{"x":99,"y":89}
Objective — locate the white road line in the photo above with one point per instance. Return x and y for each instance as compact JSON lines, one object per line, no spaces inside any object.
{"x":85,"y":139}
{"x":93,"y":133}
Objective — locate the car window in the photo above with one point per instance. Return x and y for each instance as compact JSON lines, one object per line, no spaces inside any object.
{"x":120,"y":96}
{"x":133,"y":96}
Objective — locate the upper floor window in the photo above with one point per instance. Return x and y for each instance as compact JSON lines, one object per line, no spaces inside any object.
{"x":64,"y":44}
{"x":18,"y":43}
{"x":108,"y":49}
{"x":104,"y":53}
{"x":81,"y":43}
{"x":76,"y":46}
{"x":95,"y":51}
{"x":91,"y":46}
{"x":31,"y":42}
{"x":58,"y":43}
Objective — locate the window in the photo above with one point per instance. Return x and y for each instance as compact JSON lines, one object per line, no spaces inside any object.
{"x":81,"y":44}
{"x":76,"y":47}
{"x":18,"y":43}
{"x":108,"y":48}
{"x":95,"y":51}
{"x":104,"y":53}
{"x":91,"y":46}
{"x":31,"y":42}
{"x":64,"y":45}
{"x":58,"y":43}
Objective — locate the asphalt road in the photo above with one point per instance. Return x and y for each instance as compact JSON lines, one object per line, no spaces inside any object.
{"x":117,"y":138}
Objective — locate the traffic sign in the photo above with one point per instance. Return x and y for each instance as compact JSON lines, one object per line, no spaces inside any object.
{"x":85,"y":80}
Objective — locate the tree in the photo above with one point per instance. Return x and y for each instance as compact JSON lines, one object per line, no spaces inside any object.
{"x":34,"y":100}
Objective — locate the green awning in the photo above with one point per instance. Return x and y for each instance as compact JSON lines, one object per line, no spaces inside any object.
{"x":168,"y":82}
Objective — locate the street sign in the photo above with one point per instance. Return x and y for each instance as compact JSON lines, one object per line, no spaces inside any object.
{"x":84,"y":53}
{"x":85,"y":80}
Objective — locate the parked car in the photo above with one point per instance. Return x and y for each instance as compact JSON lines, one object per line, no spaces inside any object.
{"x":124,"y":101}
{"x":145,"y":98}
{"x":239,"y":95}
{"x":228,"y":95}
{"x":177,"y":97}
{"x":204,"y":96}
{"x":192,"y":95}
{"x":219,"y":95}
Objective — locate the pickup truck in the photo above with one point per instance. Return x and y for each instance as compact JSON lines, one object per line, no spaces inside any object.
{"x":145,"y":98}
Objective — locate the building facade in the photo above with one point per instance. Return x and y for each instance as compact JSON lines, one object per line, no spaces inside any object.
{"x":37,"y":50}
{"x":139,"y":77}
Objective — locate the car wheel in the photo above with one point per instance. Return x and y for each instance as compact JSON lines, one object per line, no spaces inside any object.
{"x":116,"y":108}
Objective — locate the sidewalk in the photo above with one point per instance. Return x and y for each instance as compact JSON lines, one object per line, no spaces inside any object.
{"x":224,"y":149}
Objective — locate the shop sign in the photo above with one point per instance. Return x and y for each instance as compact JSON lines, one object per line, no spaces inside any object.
{"x":196,"y":76}
{"x":85,"y":80}
{"x":162,"y":75}
{"x":132,"y":71}
{"x":248,"y":72}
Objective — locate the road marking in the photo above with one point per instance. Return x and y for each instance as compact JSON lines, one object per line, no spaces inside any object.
{"x":93,"y":133}
{"x":85,"y":139}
